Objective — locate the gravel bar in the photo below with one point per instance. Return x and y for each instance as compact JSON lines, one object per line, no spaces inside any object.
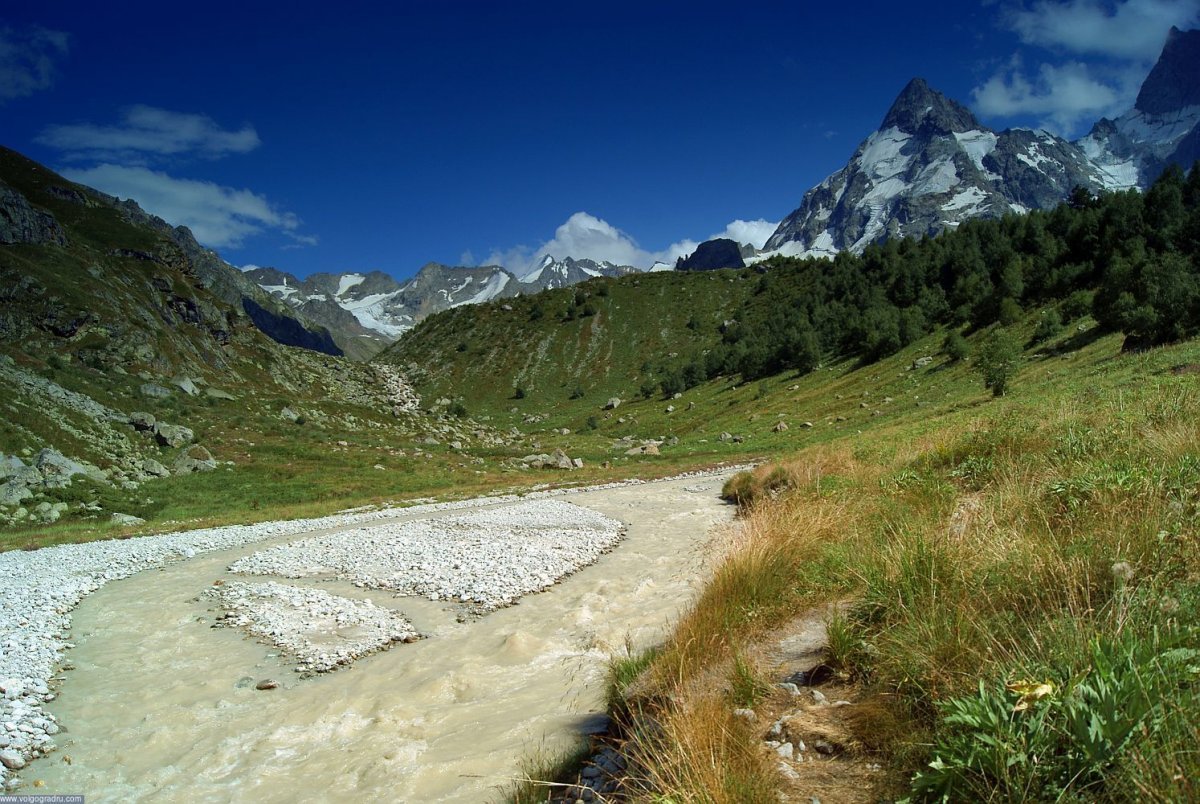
{"x":321,"y":631}
{"x":484,"y":560}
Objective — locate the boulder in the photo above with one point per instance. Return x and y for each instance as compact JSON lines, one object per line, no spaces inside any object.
{"x":194,"y":459}
{"x":57,"y":469}
{"x":780,"y":427}
{"x":154,"y":391}
{"x":559,"y":460}
{"x":173,"y":435}
{"x":217,"y":393}
{"x":154,"y":468}
{"x":612,"y":404}
{"x":10,"y":465}
{"x":186,"y":384}
{"x":142,"y":421}
{"x":725,"y":437}
{"x":13,"y":492}
{"x":126,"y":520}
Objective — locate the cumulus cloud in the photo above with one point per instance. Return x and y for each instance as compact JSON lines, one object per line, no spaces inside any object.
{"x":584,"y":236}
{"x":28,"y":59}
{"x":756,"y":233}
{"x":145,"y":133}
{"x":1060,"y":96}
{"x":1133,"y":30}
{"x":1103,"y":51}
{"x":218,"y":216}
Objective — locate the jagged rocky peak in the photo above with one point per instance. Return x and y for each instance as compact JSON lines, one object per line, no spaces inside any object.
{"x":1161,"y":128}
{"x":1174,"y":83}
{"x":921,"y":109}
{"x":712,"y":255}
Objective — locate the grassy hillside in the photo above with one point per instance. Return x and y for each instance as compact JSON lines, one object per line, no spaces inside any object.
{"x":1019,"y":587}
{"x":103,"y":316}
{"x":568,"y":350}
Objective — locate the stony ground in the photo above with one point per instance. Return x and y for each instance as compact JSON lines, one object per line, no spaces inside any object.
{"x":483,"y":560}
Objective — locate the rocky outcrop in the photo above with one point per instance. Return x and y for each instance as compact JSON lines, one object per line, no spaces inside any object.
{"x":21,"y":222}
{"x":711,"y":255}
{"x":288,"y":330}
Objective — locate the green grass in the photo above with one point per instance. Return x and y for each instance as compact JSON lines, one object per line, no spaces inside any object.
{"x":1049,"y":535}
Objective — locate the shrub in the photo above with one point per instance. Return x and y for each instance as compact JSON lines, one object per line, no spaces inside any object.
{"x":518,"y":393}
{"x":955,"y":347}
{"x":998,"y":360}
{"x":1048,"y":326}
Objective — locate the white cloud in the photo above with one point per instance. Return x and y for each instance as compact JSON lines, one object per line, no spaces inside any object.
{"x":28,"y":59}
{"x":218,"y":216}
{"x":248,"y":267}
{"x":756,"y":233}
{"x":1125,"y":36}
{"x":1061,"y":97}
{"x":146,"y":131}
{"x":585,"y":236}
{"x":1131,"y":30}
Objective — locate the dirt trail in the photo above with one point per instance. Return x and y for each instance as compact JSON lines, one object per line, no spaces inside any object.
{"x":162,"y":707}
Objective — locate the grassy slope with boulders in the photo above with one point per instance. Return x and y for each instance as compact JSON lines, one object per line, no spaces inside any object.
{"x":121,"y":306}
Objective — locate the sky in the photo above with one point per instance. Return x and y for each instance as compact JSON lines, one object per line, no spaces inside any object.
{"x":382,"y":136}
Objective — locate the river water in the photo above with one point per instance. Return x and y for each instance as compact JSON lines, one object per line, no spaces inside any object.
{"x":163,"y":707}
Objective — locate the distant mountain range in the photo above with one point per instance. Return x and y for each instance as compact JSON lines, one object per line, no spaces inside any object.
{"x":929,"y":167}
{"x":365,"y":312}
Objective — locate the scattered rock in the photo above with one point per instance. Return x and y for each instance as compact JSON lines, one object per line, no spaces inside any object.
{"x":725,"y":437}
{"x":186,"y":384}
{"x":267,"y":684}
{"x":154,"y":468}
{"x":12,"y":760}
{"x":747,"y":715}
{"x":172,"y":435}
{"x":57,"y":470}
{"x":612,"y":404}
{"x":154,"y":391}
{"x":126,"y":520}
{"x":194,"y":459}
{"x":142,"y":421}
{"x":780,"y":427}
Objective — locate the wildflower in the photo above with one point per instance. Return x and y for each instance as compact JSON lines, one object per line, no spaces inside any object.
{"x":1030,"y":692}
{"x":1122,"y":571}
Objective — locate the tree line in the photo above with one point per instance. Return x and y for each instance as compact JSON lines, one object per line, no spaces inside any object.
{"x":1131,"y":260}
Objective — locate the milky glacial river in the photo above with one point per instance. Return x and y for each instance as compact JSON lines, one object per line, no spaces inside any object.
{"x":161,"y":706}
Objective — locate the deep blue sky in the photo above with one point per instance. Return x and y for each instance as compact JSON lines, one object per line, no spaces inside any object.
{"x":389,"y":135}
